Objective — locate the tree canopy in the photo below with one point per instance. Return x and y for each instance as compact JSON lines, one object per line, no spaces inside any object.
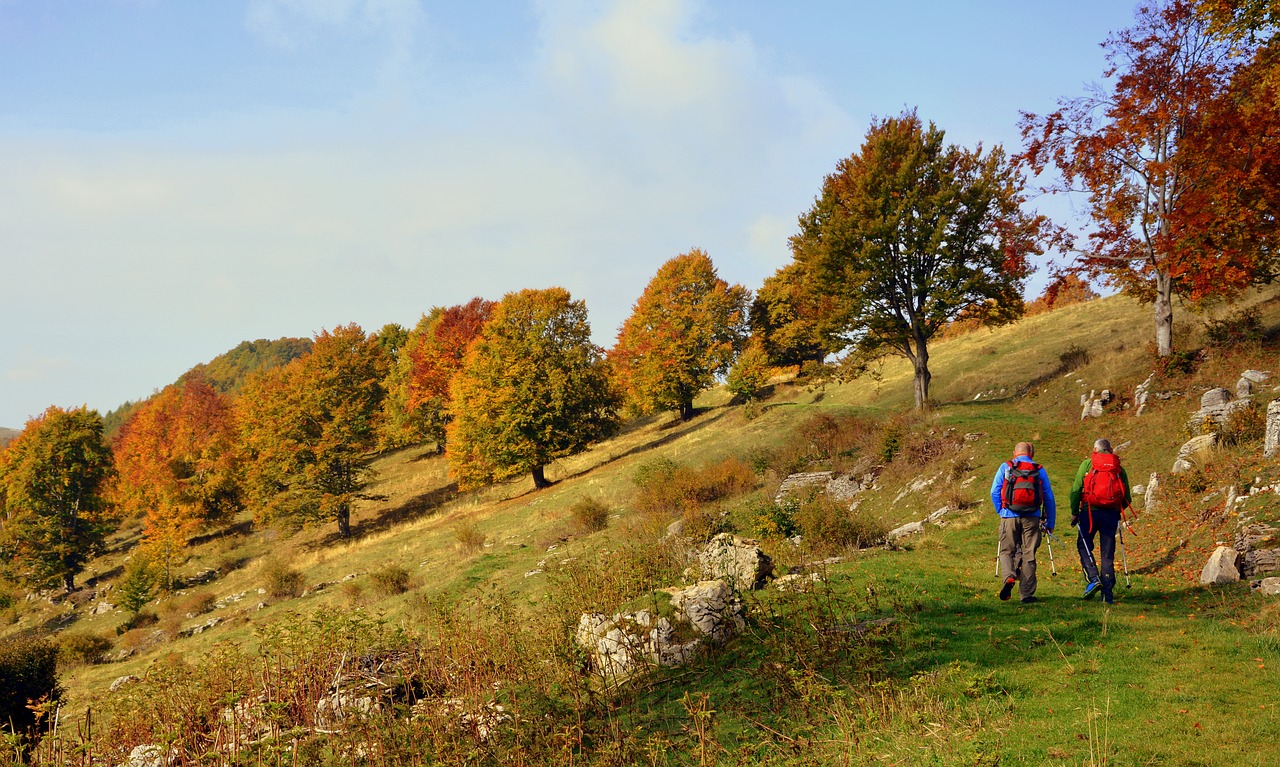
{"x":51,"y":482}
{"x":686,"y":329}
{"x":306,"y":429}
{"x":1138,"y":148}
{"x":532,"y":389}
{"x":909,"y":233}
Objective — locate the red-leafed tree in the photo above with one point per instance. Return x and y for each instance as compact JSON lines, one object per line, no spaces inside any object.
{"x":1129,"y":148}
{"x":176,"y":467}
{"x":418,"y":399}
{"x":307,"y":429}
{"x":686,"y":328}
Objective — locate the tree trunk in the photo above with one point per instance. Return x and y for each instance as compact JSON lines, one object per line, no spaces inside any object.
{"x":920,"y":362}
{"x":1164,"y":314}
{"x":344,"y":521}
{"x":69,"y":581}
{"x":540,"y":477}
{"x":686,"y":410}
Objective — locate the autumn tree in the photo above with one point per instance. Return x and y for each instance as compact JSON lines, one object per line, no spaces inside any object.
{"x":685,"y":329}
{"x":175,"y":464}
{"x":418,"y":398}
{"x":790,"y":316}
{"x":306,"y":429}
{"x":1126,"y":147}
{"x":909,"y":233}
{"x":532,"y":389}
{"x":51,"y":480}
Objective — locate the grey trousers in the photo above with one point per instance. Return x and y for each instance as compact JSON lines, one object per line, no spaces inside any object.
{"x":1020,"y":534}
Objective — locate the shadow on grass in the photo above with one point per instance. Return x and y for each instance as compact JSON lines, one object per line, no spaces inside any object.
{"x":421,"y":505}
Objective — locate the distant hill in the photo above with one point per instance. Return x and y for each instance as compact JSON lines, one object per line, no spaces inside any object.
{"x":227,"y":372}
{"x":7,"y":435}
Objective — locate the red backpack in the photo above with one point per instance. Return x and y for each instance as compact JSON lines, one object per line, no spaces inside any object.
{"x":1022,"y":493}
{"x":1103,"y":488}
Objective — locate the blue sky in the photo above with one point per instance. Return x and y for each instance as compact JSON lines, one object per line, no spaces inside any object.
{"x":182,"y":175}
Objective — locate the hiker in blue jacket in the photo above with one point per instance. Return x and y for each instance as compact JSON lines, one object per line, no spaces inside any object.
{"x":1024,"y":500}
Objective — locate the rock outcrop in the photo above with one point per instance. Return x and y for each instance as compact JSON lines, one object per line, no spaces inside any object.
{"x":1221,"y":567}
{"x":1194,"y":452}
{"x":739,"y":562}
{"x":1272,"y":445}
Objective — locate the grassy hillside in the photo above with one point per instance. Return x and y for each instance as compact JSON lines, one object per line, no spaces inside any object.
{"x":902,"y":656}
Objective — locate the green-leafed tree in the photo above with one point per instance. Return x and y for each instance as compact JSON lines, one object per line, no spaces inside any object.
{"x":685,"y":329}
{"x":790,"y":316}
{"x":307,"y":429}
{"x":51,"y":482}
{"x":532,"y":389}
{"x":909,"y":232}
{"x":417,"y":404}
{"x":228,"y":371}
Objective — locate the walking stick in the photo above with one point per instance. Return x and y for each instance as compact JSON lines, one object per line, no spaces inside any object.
{"x":1084,"y":546}
{"x":1124,"y":559}
{"x":1048,"y":538}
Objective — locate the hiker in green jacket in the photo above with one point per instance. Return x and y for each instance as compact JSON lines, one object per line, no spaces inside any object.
{"x":1099,"y":496}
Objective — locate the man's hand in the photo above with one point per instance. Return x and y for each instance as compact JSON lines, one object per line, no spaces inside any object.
{"x":1075,"y":519}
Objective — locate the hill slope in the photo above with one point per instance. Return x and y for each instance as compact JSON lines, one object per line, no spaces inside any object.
{"x":903,"y":655}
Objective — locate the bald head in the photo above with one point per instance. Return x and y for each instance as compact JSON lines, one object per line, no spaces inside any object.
{"x":1102,"y":446}
{"x":1024,"y":448}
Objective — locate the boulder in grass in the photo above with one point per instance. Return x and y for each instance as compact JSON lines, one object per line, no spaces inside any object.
{"x":1221,"y":567}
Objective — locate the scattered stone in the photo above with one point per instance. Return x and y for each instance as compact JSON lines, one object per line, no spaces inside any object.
{"x":1221,"y":567}
{"x":1141,"y":393}
{"x":200,"y":628}
{"x":146,"y":755}
{"x":338,"y":707}
{"x":122,"y":681}
{"x":1256,"y":546}
{"x":1214,"y":397}
{"x":1152,"y":492}
{"x":1194,"y":452}
{"x":1095,"y":407}
{"x":1269,"y":586}
{"x":802,"y":481}
{"x":911,"y":528}
{"x":974,"y":436}
{"x":102,"y":608}
{"x":1244,"y":387}
{"x":1272,"y":444}
{"x":741,"y":563}
{"x":676,"y":529}
{"x":532,"y":573}
{"x":796,"y":582}
{"x":936,"y":516}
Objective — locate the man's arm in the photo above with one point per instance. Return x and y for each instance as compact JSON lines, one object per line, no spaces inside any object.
{"x":1077,"y":487}
{"x":997,"y":485}
{"x":1050,"y":505}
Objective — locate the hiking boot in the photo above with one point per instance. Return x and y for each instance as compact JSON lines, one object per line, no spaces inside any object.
{"x":1090,"y":589}
{"x":1029,"y":600}
{"x":1107,"y":599}
{"x":1007,"y":588}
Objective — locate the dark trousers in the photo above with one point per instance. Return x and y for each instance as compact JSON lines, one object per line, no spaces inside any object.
{"x":1103,"y":523}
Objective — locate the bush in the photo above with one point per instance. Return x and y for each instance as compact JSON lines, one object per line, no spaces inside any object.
{"x":1178,"y":363}
{"x":589,"y":515}
{"x":666,"y":487}
{"x":138,"y":584}
{"x":389,"y":580}
{"x":773,"y":520}
{"x":828,"y":525}
{"x":29,"y":669}
{"x":469,"y":537}
{"x":77,"y":649}
{"x":1244,"y":425}
{"x":191,"y":605}
{"x":140,"y":619}
{"x":750,"y":374}
{"x":281,"y":581}
{"x":1236,"y":329}
{"x":1074,"y":357}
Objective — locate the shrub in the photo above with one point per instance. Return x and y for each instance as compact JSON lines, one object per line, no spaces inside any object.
{"x":1236,"y":329}
{"x":666,"y":487}
{"x":1178,"y":363}
{"x":469,"y":537}
{"x":750,"y":374}
{"x":140,"y":619}
{"x":1074,"y":357}
{"x":29,"y":668}
{"x":77,"y":649}
{"x":389,"y":580}
{"x":281,"y":581}
{"x":589,"y":515}
{"x":826,"y":524}
{"x":1243,"y":425}
{"x":138,"y":584}
{"x":774,"y":520}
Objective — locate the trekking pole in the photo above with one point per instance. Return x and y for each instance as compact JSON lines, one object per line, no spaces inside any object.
{"x":1124,"y":559}
{"x":1084,"y":546}
{"x":1048,"y":538}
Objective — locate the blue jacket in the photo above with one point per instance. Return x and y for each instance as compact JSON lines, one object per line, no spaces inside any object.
{"x":1050,"y":511}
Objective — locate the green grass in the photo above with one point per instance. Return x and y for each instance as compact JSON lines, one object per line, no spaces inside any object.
{"x":1172,"y":674}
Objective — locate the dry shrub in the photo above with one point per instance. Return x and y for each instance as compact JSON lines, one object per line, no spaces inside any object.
{"x":190,"y":605}
{"x":78,"y":648}
{"x":665,"y":487}
{"x":923,"y":448}
{"x":352,"y":593}
{"x":280,"y":580}
{"x":390,"y":580}
{"x":1244,"y":425}
{"x":589,"y":515}
{"x":469,"y":537}
{"x":828,"y":525}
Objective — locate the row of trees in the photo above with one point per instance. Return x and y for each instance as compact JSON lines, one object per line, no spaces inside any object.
{"x":908,"y":236}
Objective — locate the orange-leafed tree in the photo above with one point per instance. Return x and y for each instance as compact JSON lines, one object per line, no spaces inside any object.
{"x":176,"y":467}
{"x":55,"y":513}
{"x":791,"y":316}
{"x":532,"y":389}
{"x":685,"y":329}
{"x":418,"y":398}
{"x":307,"y":429}
{"x":1126,"y":146}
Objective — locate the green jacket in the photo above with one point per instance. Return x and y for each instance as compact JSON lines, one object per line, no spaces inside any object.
{"x":1077,"y":487}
